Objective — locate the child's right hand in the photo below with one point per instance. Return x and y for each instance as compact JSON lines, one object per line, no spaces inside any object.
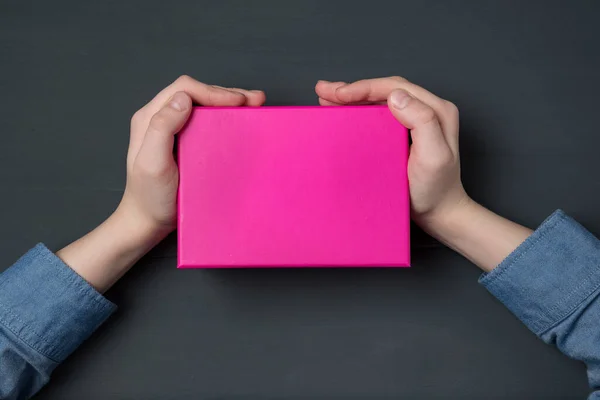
{"x":436,"y":191}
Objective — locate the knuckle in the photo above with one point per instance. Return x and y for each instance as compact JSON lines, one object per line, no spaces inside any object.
{"x":430,"y":165}
{"x":148,"y":170}
{"x":183,"y":79}
{"x":398,"y":78}
{"x":159,"y":122}
{"x":446,"y":159}
{"x":345,"y":96}
{"x":439,"y":162}
{"x":451,"y":109}
{"x":426,"y":115}
{"x":137,"y":117}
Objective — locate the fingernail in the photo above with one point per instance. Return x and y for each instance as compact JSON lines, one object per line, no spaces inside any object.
{"x":399,"y":99}
{"x":323,"y":81}
{"x":179,"y":102}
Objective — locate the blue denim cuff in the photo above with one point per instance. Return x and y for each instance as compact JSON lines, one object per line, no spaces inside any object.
{"x":49,"y":306}
{"x":549,"y":275}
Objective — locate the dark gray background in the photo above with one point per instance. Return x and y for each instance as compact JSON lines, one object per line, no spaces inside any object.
{"x":525,"y":77}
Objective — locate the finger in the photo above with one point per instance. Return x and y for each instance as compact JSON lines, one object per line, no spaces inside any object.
{"x":378,"y":89}
{"x":326,"y":90}
{"x":374,"y":90}
{"x":157,"y":146}
{"x":426,"y":132}
{"x":203,"y":94}
{"x":254,"y":98}
{"x":324,"y":102}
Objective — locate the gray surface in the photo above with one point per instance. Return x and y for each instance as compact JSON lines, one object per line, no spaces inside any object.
{"x":525,"y":76}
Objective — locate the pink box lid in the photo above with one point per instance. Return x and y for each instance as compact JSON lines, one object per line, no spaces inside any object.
{"x":293,"y":187}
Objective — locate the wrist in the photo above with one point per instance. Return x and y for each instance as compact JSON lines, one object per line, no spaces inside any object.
{"x":102,"y":256}
{"x":477,"y":233}
{"x":134,"y":230}
{"x":450,"y":221}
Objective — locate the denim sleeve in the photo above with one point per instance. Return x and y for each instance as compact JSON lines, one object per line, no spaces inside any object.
{"x":46,"y":311}
{"x":551,"y":282}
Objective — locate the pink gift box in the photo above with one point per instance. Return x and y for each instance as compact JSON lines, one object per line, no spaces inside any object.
{"x":293,"y":187}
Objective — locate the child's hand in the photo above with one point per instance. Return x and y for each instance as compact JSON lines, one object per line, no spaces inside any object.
{"x":436,"y":191}
{"x":148,"y":208}
{"x":152,"y":177}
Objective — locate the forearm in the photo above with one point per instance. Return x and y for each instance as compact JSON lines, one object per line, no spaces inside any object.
{"x":102,"y":256}
{"x":477,"y":233}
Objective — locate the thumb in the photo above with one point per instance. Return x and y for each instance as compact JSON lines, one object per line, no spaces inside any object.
{"x":159,"y":138}
{"x":421,"y":119}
